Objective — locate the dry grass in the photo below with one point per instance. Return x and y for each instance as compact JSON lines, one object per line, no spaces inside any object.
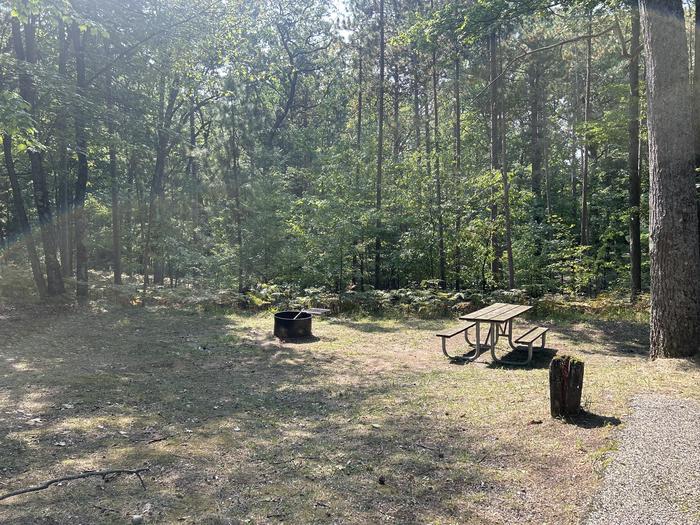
{"x":367,"y":424}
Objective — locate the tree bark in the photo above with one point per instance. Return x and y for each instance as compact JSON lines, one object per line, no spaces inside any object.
{"x":633,"y":157}
{"x":63,"y":199}
{"x":357,"y":260}
{"x":674,"y":253}
{"x":506,"y":210}
{"x":396,"y":94}
{"x":458,"y":169}
{"x":585,"y":175}
{"x":536,"y":143}
{"x":696,"y":107}
{"x":496,"y":156}
{"x":565,"y":386}
{"x":232,"y":180}
{"x":114,"y":179}
{"x":157,"y":192}
{"x":81,"y":254}
{"x":22,"y":219}
{"x":27,"y":56}
{"x":380,"y":152}
{"x":438,"y":181}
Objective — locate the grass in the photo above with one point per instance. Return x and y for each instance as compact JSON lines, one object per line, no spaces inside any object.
{"x":368,"y":423}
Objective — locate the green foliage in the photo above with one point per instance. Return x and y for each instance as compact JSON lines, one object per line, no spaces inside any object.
{"x":270,"y":169}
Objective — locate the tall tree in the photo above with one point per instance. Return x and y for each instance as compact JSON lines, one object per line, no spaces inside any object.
{"x":114,"y":176}
{"x":442,"y":264}
{"x":586,"y":154}
{"x":496,"y":153}
{"x":380,"y":152}
{"x":633,"y":155}
{"x":27,"y":55}
{"x":674,"y":253}
{"x":21,"y":214}
{"x":457,"y":165}
{"x":81,"y":251}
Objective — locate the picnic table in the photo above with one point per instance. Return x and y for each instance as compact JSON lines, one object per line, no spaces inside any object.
{"x":499,"y":318}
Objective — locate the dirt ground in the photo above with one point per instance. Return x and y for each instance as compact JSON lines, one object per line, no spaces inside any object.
{"x":366,"y":423}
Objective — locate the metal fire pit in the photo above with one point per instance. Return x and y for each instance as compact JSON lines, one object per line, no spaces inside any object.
{"x":292,"y":324}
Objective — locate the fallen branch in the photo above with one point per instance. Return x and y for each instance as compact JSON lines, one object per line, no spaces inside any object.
{"x":88,"y":473}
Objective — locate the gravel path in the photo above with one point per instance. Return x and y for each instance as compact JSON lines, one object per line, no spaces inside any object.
{"x":654,"y":478}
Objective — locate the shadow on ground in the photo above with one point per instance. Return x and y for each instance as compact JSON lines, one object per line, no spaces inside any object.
{"x":541,"y":358}
{"x":587,"y":419}
{"x":230,"y":429}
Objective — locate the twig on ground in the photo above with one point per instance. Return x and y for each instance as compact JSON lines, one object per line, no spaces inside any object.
{"x":157,"y":439}
{"x":313,"y":458}
{"x":88,"y":473}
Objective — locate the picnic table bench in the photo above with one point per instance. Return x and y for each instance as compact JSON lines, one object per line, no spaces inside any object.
{"x":499,"y":317}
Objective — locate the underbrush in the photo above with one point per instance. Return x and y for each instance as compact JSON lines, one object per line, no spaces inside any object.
{"x":425,"y":302}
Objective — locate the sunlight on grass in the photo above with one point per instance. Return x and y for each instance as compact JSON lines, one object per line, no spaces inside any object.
{"x":368,"y":419}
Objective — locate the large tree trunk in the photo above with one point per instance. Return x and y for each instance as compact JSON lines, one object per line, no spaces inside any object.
{"x":674,"y":254}
{"x":585,"y":175}
{"x":81,"y":255}
{"x":27,"y":52}
{"x":696,"y":106}
{"x":380,"y":152}
{"x":633,"y":158}
{"x":21,"y":216}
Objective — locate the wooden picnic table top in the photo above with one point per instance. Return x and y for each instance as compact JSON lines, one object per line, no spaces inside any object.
{"x":497,"y":312}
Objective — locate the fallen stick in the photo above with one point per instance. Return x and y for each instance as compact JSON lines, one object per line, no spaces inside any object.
{"x":88,"y":473}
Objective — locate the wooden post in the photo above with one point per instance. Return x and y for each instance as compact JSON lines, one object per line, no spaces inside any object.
{"x":565,"y":385}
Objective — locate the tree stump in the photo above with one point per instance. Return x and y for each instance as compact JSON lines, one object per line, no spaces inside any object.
{"x":565,"y":385}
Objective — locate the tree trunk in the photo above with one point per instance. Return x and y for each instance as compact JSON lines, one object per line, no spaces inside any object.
{"x":585,"y":182}
{"x":232,"y":180}
{"x":114,"y":180}
{"x":157,"y":191}
{"x":27,"y":52}
{"x":506,"y":209}
{"x":633,"y":158}
{"x":380,"y":152}
{"x":496,"y":157}
{"x":129,"y":212}
{"x":458,"y":170}
{"x":63,"y":199}
{"x":81,"y":255}
{"x":396,"y":93}
{"x":674,"y":254}
{"x":696,"y":106}
{"x":356,"y":259}
{"x":536,"y":143}
{"x":565,"y":386}
{"x":21,"y":215}
{"x":438,"y":181}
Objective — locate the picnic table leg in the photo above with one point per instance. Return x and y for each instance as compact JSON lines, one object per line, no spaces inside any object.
{"x":494,"y":340}
{"x":503,"y":361}
{"x":510,"y":335}
{"x":466,"y":338}
{"x":477,"y":346}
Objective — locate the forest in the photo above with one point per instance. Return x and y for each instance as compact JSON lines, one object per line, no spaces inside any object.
{"x":349,"y":146}
{"x":178,"y":177}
